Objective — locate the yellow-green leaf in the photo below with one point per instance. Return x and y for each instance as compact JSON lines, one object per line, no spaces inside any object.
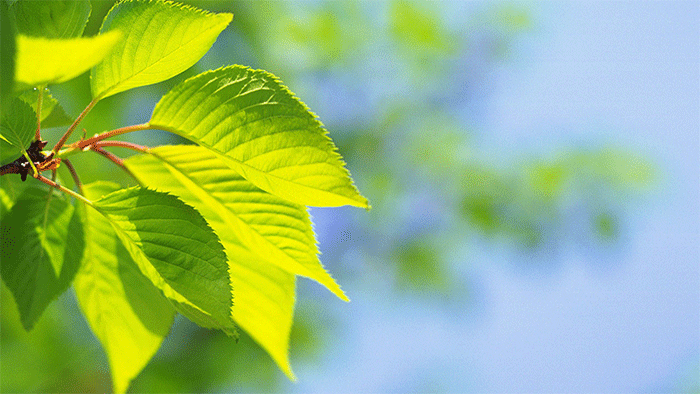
{"x":262,"y":131}
{"x":277,"y":230}
{"x":42,"y":61}
{"x":162,"y":39}
{"x":126,"y":312}
{"x":267,"y":239}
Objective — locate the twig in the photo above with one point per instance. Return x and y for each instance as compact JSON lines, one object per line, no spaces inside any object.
{"x":63,"y":189}
{"x":72,"y":127}
{"x":74,"y":174}
{"x":39,"y":100}
{"x":115,"y":159}
{"x":121,"y":144}
{"x":122,"y":130}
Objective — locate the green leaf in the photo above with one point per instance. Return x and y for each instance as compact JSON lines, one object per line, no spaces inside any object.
{"x":11,"y":187}
{"x":278,"y":231}
{"x":16,"y":130}
{"x":42,"y":61}
{"x":162,"y":39}
{"x":126,"y":312}
{"x":51,"y":19}
{"x":176,"y":249}
{"x":8,"y":48}
{"x":52,"y":114}
{"x":262,"y":131}
{"x":267,"y":239}
{"x":41,"y":246}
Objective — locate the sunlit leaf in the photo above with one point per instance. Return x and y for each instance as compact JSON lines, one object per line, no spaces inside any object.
{"x":161,"y":40}
{"x":175,"y":248}
{"x":126,"y":312}
{"x":52,"y":114}
{"x":277,"y":230}
{"x":263,"y":132}
{"x":16,"y":130}
{"x":42,"y":61}
{"x":41,"y":244}
{"x":51,"y":19}
{"x":267,"y":239}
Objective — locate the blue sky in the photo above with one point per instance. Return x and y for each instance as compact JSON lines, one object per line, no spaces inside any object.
{"x":627,"y":319}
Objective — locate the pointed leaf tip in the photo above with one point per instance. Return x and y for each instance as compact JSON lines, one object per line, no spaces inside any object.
{"x":262,"y":131}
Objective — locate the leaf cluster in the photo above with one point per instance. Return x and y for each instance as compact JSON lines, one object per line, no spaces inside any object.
{"x":216,"y":230}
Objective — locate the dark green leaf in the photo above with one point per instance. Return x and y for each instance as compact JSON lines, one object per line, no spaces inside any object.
{"x":16,"y":130}
{"x":52,"y":114}
{"x":40,"y":249}
{"x":176,"y":249}
{"x":51,"y":19}
{"x":8,"y":47}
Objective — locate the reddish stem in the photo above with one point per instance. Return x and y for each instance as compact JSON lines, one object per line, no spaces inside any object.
{"x":114,"y":158}
{"x":121,"y":144}
{"x":72,"y":127}
{"x":122,"y":130}
{"x":74,"y":174}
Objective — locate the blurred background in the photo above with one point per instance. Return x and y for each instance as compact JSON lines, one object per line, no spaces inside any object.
{"x":534,"y":172}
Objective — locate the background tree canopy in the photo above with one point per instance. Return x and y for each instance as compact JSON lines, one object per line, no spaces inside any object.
{"x":533,"y":175}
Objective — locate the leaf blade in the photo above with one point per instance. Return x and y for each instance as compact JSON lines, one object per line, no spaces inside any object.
{"x":52,"y":113}
{"x":162,"y":39}
{"x":126,"y":312}
{"x":263,"y":132}
{"x":52,"y":19}
{"x":278,"y":231}
{"x":8,"y":51}
{"x":265,"y":290}
{"x":41,"y":246}
{"x":17,"y":129}
{"x":176,"y":249}
{"x":42,"y":61}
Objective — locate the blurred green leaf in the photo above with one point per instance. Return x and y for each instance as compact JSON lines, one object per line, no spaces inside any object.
{"x":128,"y":315}
{"x":51,"y":19}
{"x":420,"y":267}
{"x":16,"y":130}
{"x":162,"y":39}
{"x":8,"y":47}
{"x":262,"y":131}
{"x":419,"y":31}
{"x":42,"y":244}
{"x":176,"y":249}
{"x":52,"y":114}
{"x":42,"y":61}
